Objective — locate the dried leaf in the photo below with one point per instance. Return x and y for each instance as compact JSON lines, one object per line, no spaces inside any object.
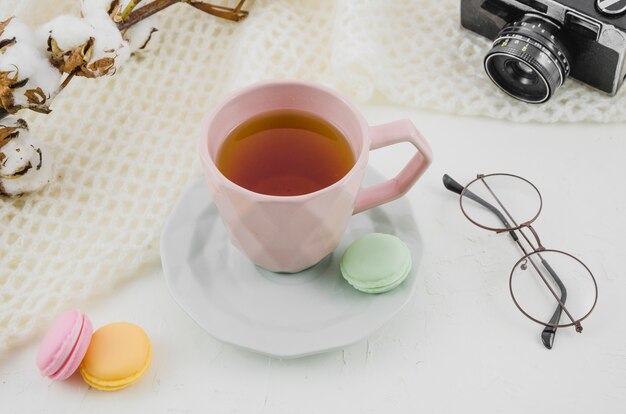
{"x":4,"y":24}
{"x":38,"y":150}
{"x":101,"y":66}
{"x":21,"y":124}
{"x":5,"y":43}
{"x":74,"y":60}
{"x":36,"y":96}
{"x":7,"y":84}
{"x":40,"y":109}
{"x":116,"y":11}
{"x":7,"y":134}
{"x":19,"y":84}
{"x":154,"y":29}
{"x":54,"y":48}
{"x":17,"y":174}
{"x":7,"y":102}
{"x":85,"y":73}
{"x":6,"y":79}
{"x":228,"y":13}
{"x":69,"y":61}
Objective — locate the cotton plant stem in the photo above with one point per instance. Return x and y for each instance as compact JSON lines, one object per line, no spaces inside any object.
{"x":156,"y":6}
{"x":235,"y":14}
{"x":65,"y":82}
{"x":129,"y":8}
{"x":146,"y":11}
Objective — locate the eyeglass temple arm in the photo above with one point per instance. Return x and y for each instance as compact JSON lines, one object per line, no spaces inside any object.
{"x":547,"y":335}
{"x":455,"y":187}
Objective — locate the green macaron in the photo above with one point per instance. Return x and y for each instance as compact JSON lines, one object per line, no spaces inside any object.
{"x":376,"y":263}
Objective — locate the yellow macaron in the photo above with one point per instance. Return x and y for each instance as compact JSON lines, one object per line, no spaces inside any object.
{"x":119,"y":355}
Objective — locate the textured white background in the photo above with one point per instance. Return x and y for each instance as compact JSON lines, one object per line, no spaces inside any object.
{"x":125,"y":145}
{"x":459,"y":346}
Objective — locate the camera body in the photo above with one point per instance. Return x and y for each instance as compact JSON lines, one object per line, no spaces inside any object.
{"x":582,"y":38}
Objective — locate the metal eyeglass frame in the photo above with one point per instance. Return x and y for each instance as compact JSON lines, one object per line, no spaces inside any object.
{"x":549,"y":332}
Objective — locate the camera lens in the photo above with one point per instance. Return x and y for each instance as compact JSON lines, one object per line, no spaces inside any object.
{"x":522,"y":69}
{"x":528,"y":60}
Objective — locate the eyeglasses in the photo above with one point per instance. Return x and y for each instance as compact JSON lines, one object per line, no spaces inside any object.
{"x":546,"y":285}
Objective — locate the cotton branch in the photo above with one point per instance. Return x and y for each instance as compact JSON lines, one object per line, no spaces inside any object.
{"x":125,"y":17}
{"x":36,"y":66}
{"x":235,"y":14}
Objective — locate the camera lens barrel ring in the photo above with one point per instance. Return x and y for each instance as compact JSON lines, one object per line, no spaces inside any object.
{"x":528,"y":60}
{"x":543,"y":32}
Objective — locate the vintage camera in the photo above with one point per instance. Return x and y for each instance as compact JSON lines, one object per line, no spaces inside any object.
{"x":537,"y":44}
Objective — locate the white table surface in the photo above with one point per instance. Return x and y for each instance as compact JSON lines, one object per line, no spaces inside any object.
{"x":459,"y":346}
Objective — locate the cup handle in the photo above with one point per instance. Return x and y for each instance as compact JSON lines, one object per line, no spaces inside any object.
{"x":383,"y":136}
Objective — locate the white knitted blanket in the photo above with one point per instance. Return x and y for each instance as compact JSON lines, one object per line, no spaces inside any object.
{"x":125,"y":146}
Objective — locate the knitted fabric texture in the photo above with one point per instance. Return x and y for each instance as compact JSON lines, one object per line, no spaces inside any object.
{"x":125,"y":146}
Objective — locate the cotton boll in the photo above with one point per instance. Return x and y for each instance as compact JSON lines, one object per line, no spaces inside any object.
{"x":17,"y":31}
{"x":25,"y":165}
{"x":20,"y":58}
{"x":28,"y":167}
{"x":110,"y":51}
{"x":95,"y":7}
{"x":142,"y":35}
{"x":69,"y":32}
{"x":26,"y":76}
{"x":29,"y":77}
{"x":68,"y":41}
{"x":90,"y":47}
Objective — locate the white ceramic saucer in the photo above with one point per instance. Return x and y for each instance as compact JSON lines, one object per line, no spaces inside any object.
{"x":282,"y":315}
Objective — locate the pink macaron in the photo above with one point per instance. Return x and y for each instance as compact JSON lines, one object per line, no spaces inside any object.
{"x":64,"y":345}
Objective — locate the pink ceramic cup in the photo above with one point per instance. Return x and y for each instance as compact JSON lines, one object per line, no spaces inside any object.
{"x":292,"y":233}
